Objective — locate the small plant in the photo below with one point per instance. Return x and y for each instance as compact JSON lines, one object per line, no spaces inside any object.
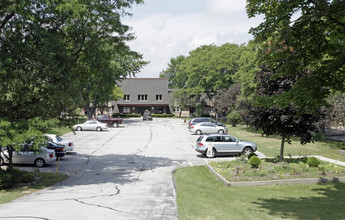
{"x":304,"y":160}
{"x":313,"y":162}
{"x":323,"y":168}
{"x":251,"y":154}
{"x":255,"y":161}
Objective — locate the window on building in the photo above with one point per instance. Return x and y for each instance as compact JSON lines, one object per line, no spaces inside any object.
{"x":126,"y":109}
{"x":159,"y":97}
{"x":126,"y":97}
{"x":109,"y":110}
{"x":177,"y":109}
{"x":142,"y":97}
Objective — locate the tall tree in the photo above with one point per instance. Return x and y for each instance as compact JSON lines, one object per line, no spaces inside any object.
{"x":49,"y":52}
{"x":303,"y":36}
{"x":172,"y":70}
{"x":274,"y":120}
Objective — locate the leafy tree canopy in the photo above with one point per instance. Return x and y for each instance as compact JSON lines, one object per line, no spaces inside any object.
{"x":299,"y":36}
{"x":53,"y":54}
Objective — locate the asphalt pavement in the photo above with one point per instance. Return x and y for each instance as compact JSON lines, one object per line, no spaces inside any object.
{"x":123,"y":173}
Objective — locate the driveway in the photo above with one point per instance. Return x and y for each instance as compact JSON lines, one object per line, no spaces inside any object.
{"x":123,"y":173}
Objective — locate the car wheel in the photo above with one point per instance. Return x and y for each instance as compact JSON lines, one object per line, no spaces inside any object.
{"x":198,"y":132}
{"x":212,"y":154}
{"x":39,"y":162}
{"x":79,"y":128}
{"x":99,"y":129}
{"x":115,"y":124}
{"x":247,"y":150}
{"x":221,"y":131}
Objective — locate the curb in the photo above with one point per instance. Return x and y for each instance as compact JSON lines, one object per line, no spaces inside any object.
{"x":275,"y":182}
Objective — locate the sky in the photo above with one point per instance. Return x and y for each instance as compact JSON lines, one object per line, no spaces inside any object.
{"x":165,"y":29}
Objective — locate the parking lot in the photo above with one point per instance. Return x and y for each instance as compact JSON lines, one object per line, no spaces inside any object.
{"x":122,"y":173}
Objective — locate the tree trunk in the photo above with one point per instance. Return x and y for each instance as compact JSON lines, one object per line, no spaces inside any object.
{"x":282,"y":149}
{"x":10,"y":160}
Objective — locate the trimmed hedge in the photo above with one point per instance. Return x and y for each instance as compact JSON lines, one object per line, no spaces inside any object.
{"x":8,"y":180}
{"x":162,"y":115}
{"x":117,"y":115}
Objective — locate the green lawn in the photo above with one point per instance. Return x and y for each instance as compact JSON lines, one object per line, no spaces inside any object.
{"x":270,"y":146}
{"x":201,"y":196}
{"x":48,"y":179}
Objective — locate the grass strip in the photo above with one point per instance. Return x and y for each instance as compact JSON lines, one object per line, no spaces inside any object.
{"x":48,"y":179}
{"x":201,"y":196}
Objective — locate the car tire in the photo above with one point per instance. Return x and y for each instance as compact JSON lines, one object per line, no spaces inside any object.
{"x":115,"y":124}
{"x":39,"y":162}
{"x":79,"y":128}
{"x":247,"y":150}
{"x":99,"y":129}
{"x":198,"y":132}
{"x":212,"y":155}
{"x":220,"y":131}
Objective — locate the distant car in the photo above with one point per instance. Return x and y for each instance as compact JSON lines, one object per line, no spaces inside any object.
{"x":207,"y":128}
{"x":223,"y":144}
{"x":58,"y":148}
{"x":69,"y":146}
{"x":26,"y":155}
{"x":91,"y":125}
{"x":194,"y":121}
{"x":109,"y":120}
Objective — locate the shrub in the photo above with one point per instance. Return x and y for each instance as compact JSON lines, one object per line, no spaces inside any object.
{"x":162,"y":115}
{"x":313,"y":162}
{"x":5,"y":180}
{"x":119,"y":115}
{"x":255,"y":161}
{"x":304,"y":160}
{"x":250,"y":155}
{"x":234,"y":118}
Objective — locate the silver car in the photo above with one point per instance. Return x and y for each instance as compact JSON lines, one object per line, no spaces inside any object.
{"x":223,"y":144}
{"x":69,"y":146}
{"x":91,"y":125}
{"x":28,"y":156}
{"x":207,"y":128}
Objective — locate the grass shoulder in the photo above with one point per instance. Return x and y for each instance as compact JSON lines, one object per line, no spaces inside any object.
{"x":201,"y":196}
{"x":26,"y":183}
{"x":270,"y":146}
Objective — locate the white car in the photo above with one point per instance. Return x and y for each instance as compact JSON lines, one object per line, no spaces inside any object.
{"x":207,"y":128}
{"x":91,"y":125}
{"x":69,"y":146}
{"x":28,"y":156}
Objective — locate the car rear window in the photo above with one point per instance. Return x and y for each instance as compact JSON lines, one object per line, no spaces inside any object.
{"x":209,"y":139}
{"x":200,"y":139}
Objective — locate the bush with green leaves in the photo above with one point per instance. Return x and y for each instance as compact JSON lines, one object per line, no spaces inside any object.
{"x":313,"y":162}
{"x":234,"y":118}
{"x":162,"y":115}
{"x":8,"y":180}
{"x":250,"y":155}
{"x":255,"y":161}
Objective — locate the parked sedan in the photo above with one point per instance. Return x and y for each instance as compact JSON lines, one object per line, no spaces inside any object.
{"x":28,"y":156}
{"x":69,"y":146}
{"x":194,"y":121}
{"x":207,"y":128}
{"x":91,"y":125}
{"x":223,"y":144}
{"x":58,"y":148}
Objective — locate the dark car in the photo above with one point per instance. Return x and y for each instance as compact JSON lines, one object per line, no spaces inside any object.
{"x":59,"y":149}
{"x":194,"y":121}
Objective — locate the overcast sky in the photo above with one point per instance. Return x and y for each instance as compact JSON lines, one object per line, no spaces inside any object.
{"x":165,"y":29}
